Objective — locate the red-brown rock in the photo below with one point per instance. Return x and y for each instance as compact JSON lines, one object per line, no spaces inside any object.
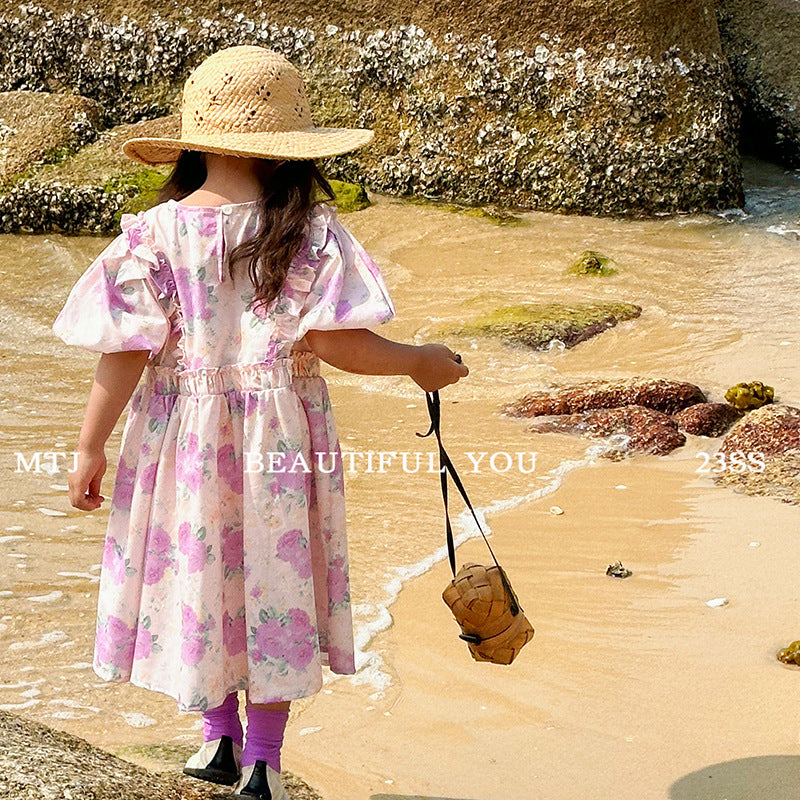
{"x":707,"y":419}
{"x":666,"y":396}
{"x":644,"y":430}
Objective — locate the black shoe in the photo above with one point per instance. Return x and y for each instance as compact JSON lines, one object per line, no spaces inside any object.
{"x":216,"y":761}
{"x":260,"y":782}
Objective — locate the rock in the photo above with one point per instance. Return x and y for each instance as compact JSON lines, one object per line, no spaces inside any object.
{"x":761,"y":39}
{"x":762,"y":453}
{"x":536,"y":325}
{"x":38,"y":762}
{"x":707,"y":419}
{"x":644,"y":429}
{"x":666,"y":396}
{"x":349,"y":197}
{"x":37,"y":127}
{"x":577,"y":106}
{"x":591,"y":263}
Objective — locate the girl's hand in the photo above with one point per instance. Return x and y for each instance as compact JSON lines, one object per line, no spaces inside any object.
{"x":437,"y":366}
{"x":84,"y":482}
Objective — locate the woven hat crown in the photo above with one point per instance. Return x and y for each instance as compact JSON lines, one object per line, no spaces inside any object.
{"x":244,"y":89}
{"x":247,"y":101}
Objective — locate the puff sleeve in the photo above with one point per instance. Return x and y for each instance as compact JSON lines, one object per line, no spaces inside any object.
{"x":114,"y":306}
{"x":347,"y":290}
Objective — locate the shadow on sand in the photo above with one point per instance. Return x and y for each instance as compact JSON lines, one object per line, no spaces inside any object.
{"x":411,"y":797}
{"x":757,"y":778}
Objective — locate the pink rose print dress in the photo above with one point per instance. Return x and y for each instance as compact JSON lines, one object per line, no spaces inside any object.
{"x":225,"y":564}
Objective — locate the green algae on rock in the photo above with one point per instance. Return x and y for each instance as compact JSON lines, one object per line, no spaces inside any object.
{"x":591,"y":263}
{"x":348,"y":197}
{"x":790,"y":654}
{"x":536,"y":325}
{"x":746,"y":396}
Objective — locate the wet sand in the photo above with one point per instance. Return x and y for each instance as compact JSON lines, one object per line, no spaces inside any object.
{"x":630,"y":688}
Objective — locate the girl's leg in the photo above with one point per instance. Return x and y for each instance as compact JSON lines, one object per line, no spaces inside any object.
{"x":266,"y":724}
{"x":223,"y":721}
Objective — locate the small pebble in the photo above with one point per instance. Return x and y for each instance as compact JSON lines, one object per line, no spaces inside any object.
{"x":617,"y":570}
{"x":556,"y":510}
{"x":755,"y":544}
{"x":717,"y":602}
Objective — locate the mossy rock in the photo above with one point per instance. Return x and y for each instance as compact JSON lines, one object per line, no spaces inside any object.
{"x":349,"y":196}
{"x":590,"y":262}
{"x":535,"y":325}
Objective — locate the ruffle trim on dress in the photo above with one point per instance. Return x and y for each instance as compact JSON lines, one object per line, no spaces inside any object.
{"x":300,"y":276}
{"x":142,"y":244}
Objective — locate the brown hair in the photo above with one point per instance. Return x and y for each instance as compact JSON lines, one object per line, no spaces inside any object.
{"x":288,"y":192}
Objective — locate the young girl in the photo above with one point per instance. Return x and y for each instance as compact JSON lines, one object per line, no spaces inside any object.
{"x":225,"y":564}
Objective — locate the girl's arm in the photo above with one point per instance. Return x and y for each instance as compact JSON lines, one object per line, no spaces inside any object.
{"x":431,"y":366}
{"x":116,"y":378}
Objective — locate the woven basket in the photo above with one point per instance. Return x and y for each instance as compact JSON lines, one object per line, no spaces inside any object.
{"x":484,"y":605}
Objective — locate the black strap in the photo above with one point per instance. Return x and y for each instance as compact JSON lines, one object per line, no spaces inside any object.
{"x":445,"y":467}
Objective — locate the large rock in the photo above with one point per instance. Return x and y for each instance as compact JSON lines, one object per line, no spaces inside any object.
{"x":666,"y":396}
{"x":761,"y":39}
{"x":635,"y":429}
{"x":761,"y":454}
{"x":37,"y":126}
{"x":578,"y":106}
{"x":40,"y":763}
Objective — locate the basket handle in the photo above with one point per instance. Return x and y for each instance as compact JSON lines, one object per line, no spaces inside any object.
{"x":445,"y":467}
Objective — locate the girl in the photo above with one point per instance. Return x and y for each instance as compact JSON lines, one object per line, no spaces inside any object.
{"x":225,"y":563}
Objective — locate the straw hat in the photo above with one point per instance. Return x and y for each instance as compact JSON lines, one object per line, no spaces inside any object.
{"x":247,"y":101}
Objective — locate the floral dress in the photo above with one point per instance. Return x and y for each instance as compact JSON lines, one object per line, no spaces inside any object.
{"x":225,"y":564}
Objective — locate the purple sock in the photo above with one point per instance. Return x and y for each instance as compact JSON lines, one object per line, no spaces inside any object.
{"x":223,"y":721}
{"x":264,"y":737}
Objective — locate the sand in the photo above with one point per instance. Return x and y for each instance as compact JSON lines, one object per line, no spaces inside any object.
{"x":630,"y":689}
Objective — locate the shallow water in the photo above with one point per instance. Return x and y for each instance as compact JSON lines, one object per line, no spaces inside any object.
{"x":718,"y":293}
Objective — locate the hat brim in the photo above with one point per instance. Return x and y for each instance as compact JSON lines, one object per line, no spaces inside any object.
{"x":290,"y":145}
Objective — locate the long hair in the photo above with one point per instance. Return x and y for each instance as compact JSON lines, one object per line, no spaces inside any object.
{"x":288,"y":192}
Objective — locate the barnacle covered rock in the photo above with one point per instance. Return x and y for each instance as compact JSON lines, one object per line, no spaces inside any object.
{"x":761,"y":40}
{"x":470,"y":104}
{"x":761,"y":453}
{"x":39,"y":127}
{"x":707,"y":419}
{"x":635,"y":429}
{"x":662,"y":395}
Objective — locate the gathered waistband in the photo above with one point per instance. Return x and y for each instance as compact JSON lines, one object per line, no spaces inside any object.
{"x":254,"y":376}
